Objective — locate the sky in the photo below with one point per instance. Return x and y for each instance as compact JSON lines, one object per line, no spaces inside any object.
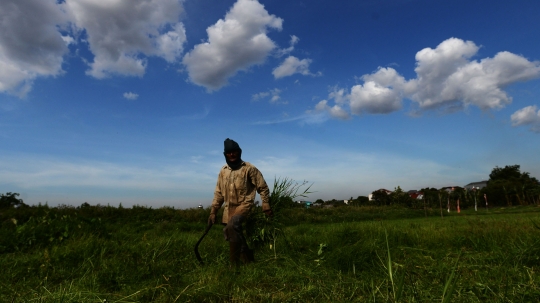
{"x":129,"y":101}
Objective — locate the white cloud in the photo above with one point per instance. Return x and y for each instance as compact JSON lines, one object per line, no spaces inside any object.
{"x":339,"y":95}
{"x":258,"y":96}
{"x":322,"y":110}
{"x":446,"y":79}
{"x":435,"y":66}
{"x":380,"y":94}
{"x":335,"y":111}
{"x":131,"y":96}
{"x":170,"y":44}
{"x":387,"y":77}
{"x":69,"y":40}
{"x":274,"y":95}
{"x":30,"y":44}
{"x":275,"y":99}
{"x":121,"y":32}
{"x":529,"y":116}
{"x":373,"y":98}
{"x":285,"y":51}
{"x":293,"y":65}
{"x":234,"y":43}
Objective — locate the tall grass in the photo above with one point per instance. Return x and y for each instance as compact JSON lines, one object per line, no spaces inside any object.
{"x":379,"y":257}
{"x":261,"y":229}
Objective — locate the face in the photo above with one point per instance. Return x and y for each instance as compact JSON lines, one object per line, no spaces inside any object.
{"x":232,"y":156}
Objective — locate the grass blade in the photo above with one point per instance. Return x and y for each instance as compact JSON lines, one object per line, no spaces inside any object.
{"x":389,"y":267}
{"x":450,"y":283}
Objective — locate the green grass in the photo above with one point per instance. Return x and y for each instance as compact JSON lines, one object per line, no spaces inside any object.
{"x":327,"y":255}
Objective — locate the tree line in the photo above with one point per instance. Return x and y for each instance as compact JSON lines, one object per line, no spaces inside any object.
{"x":507,"y":186}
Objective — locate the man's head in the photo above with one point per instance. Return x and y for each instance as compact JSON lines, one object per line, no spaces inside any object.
{"x":233,"y":153}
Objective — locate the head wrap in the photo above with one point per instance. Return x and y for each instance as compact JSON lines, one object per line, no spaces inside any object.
{"x":230,"y":146}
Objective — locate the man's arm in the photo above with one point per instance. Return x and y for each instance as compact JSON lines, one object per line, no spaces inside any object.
{"x":262,"y":188}
{"x":216,"y":202}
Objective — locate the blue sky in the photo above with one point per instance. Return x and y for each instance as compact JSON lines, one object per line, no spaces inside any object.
{"x":129,"y":101}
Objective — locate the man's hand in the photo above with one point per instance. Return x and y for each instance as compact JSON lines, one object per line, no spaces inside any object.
{"x":269,"y":213}
{"x":212,"y":219}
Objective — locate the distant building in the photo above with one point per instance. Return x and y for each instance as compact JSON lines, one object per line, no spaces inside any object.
{"x":476,"y":185}
{"x":414,"y":194}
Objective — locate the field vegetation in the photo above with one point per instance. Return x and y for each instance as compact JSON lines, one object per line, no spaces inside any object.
{"x":360,"y":254}
{"x":389,"y":249}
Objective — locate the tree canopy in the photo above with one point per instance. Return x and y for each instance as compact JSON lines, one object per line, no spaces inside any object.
{"x":10,"y":200}
{"x":508,"y":185}
{"x":510,"y":173}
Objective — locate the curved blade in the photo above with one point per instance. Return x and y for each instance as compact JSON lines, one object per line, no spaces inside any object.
{"x":199,"y":242}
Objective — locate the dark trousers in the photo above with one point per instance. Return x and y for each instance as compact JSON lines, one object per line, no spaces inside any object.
{"x":233,"y":231}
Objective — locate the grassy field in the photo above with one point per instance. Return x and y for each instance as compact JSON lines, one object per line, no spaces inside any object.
{"x":343,"y":254}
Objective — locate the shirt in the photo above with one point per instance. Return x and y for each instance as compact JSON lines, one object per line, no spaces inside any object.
{"x":237,"y":189}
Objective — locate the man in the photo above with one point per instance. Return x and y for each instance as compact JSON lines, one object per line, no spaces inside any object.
{"x":237,"y":184}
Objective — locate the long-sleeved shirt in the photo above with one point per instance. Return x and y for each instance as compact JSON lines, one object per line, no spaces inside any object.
{"x":237,"y":189}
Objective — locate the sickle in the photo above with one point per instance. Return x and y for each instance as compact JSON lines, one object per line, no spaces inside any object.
{"x":208,"y":227}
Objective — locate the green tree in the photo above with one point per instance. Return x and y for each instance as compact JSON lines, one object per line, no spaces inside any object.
{"x":508,"y":172}
{"x":430,"y":197}
{"x":10,"y":200}
{"x":361,"y":200}
{"x":399,"y":197}
{"x":509,"y":186}
{"x":381,"y":197}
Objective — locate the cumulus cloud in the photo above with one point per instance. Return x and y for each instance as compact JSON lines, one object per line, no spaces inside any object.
{"x":285,"y":51}
{"x":374,"y":98}
{"x":335,"y":111}
{"x":259,"y":96}
{"x":121,"y":32}
{"x":274,"y":95}
{"x":323,"y":110}
{"x":234,"y":43}
{"x":131,"y":96}
{"x":446,"y":76}
{"x":447,"y":79}
{"x":380,"y":94}
{"x":339,"y":95}
{"x":529,"y":116}
{"x":293,"y":65}
{"x":30,"y":44}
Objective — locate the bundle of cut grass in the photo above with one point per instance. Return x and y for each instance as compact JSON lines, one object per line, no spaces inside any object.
{"x":262,"y":230}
